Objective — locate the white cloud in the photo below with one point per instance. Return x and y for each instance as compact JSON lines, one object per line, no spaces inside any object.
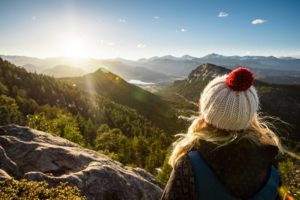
{"x":183,"y":30}
{"x":223,"y":14}
{"x":122,"y":20}
{"x":258,"y":21}
{"x":156,"y":17}
{"x":141,"y":46}
{"x":33,"y":17}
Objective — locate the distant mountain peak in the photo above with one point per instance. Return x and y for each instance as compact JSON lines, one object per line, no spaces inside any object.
{"x":187,"y":57}
{"x":64,"y":71}
{"x":206,"y":72}
{"x":170,"y":57}
{"x":211,"y":67}
{"x":213,"y":55}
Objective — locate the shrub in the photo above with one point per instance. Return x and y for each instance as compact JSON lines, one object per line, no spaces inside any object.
{"x":26,"y":189}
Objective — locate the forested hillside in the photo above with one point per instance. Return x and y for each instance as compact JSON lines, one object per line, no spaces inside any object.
{"x":89,"y":119}
{"x":276,"y":100}
{"x":115,"y":88}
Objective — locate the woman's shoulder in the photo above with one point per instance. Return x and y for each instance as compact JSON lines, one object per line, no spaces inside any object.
{"x":238,"y":161}
{"x":181,"y":181}
{"x":253,"y":142}
{"x":244,"y":149}
{"x":183,"y":166}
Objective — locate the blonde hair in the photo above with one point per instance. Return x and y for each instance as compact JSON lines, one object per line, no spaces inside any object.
{"x":258,"y":132}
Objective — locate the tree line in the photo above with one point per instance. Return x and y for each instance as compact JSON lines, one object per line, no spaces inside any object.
{"x":92,"y":121}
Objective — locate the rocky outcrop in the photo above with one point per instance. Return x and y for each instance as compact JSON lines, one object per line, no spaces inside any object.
{"x":36,"y":155}
{"x":206,"y":72}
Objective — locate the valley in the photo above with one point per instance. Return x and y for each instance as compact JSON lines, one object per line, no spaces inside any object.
{"x":164,"y":69}
{"x":99,"y":100}
{"x":134,"y":123}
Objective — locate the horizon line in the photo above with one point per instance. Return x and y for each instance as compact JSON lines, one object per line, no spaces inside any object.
{"x":146,"y":58}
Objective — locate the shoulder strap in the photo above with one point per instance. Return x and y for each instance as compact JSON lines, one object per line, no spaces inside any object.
{"x":270,"y":190}
{"x":208,"y":186}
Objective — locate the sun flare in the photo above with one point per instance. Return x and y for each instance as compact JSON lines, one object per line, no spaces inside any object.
{"x":75,"y":47}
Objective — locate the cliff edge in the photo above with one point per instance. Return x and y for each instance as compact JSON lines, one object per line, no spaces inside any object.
{"x":35,"y":155}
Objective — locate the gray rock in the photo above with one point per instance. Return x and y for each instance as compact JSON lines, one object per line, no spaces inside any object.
{"x":36,"y":155}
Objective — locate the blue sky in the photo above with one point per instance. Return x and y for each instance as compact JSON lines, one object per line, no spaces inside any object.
{"x":139,"y":28}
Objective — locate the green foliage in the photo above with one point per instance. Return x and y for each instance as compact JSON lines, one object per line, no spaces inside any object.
{"x":275,"y":100}
{"x":9,"y":111}
{"x":134,"y":151}
{"x":3,"y":89}
{"x":156,"y":155}
{"x":58,"y":107}
{"x":285,"y":168}
{"x":290,"y":175}
{"x":25,"y":189}
{"x":145,"y":103}
{"x":113,"y":142}
{"x":27,"y":106}
{"x":166,"y":170}
{"x":102,"y":129}
{"x":139,"y":144}
{"x":62,"y":124}
{"x":89,"y":132}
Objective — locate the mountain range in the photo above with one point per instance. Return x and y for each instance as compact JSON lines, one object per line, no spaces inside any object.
{"x":282,"y":101}
{"x":63,"y":70}
{"x":281,"y":70}
{"x":285,"y":98}
{"x":113,"y":87}
{"x":91,"y":108}
{"x":101,"y":111}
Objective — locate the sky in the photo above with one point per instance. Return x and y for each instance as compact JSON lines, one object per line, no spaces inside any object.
{"x":135,"y":29}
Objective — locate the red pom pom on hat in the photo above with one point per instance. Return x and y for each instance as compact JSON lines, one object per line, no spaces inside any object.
{"x":240,"y":79}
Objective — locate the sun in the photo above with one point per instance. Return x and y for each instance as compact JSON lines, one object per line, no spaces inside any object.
{"x":75,"y":47}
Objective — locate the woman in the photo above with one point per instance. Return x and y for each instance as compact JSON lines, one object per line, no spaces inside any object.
{"x":228,"y":151}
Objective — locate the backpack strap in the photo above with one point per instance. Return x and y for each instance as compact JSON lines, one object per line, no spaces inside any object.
{"x":270,"y":190}
{"x":208,"y":186}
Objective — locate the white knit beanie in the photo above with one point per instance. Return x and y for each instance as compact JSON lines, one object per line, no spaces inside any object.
{"x":229,"y":102}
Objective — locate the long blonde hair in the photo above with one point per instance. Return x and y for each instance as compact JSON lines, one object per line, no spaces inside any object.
{"x":258,"y":132}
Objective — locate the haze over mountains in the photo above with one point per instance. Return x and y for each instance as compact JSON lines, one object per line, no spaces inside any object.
{"x":103,"y":112}
{"x":189,"y":77}
{"x":83,"y":108}
{"x":63,"y":70}
{"x":107,"y":84}
{"x":282,"y":70}
{"x":276,"y":100}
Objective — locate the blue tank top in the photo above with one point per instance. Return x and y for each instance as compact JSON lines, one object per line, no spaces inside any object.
{"x":208,"y":186}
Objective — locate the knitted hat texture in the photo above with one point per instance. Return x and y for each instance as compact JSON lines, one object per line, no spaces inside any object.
{"x":230,"y":101}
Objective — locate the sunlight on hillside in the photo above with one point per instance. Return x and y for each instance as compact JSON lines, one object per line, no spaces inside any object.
{"x":116,"y":99}
{"x":90,"y":86}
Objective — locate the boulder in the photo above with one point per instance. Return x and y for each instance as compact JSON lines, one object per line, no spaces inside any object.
{"x":35,"y":155}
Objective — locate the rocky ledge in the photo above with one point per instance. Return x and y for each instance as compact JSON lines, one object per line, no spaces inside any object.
{"x":38,"y":156}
